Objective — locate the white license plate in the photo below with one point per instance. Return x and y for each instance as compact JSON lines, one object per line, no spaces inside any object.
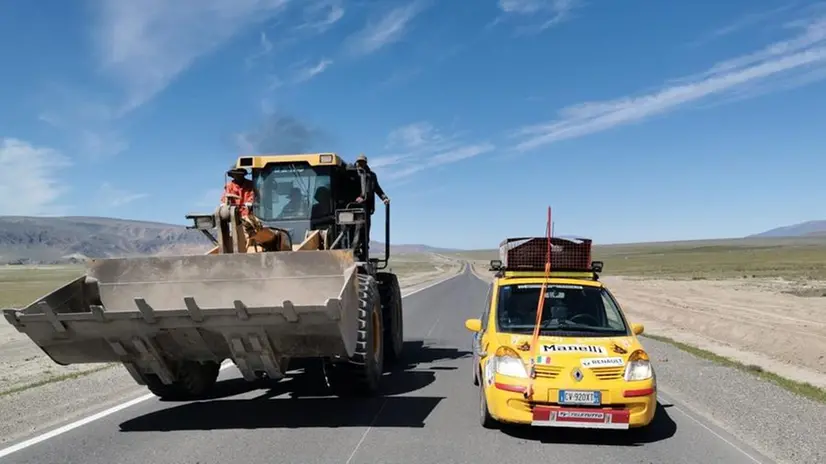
{"x":579,"y":397}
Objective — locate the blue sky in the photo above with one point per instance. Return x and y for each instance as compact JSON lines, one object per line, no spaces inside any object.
{"x":635,"y":120}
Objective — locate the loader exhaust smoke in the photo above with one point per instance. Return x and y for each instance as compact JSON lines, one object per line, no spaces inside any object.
{"x":283,"y":133}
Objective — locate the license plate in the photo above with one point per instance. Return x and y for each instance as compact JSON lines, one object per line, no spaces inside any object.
{"x":580,"y":397}
{"x":580,"y":418}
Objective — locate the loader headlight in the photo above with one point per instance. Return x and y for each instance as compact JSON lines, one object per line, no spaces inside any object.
{"x":508,"y":363}
{"x":638,"y":367}
{"x":347,"y":217}
{"x":202,"y":221}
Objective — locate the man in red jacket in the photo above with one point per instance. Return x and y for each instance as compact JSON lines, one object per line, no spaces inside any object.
{"x":241,"y":189}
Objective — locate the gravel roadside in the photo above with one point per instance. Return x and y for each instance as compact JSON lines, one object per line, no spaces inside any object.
{"x":782,"y":425}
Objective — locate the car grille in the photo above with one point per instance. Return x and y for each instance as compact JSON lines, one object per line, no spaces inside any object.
{"x":547,"y":372}
{"x":608,"y":373}
{"x":601,"y":373}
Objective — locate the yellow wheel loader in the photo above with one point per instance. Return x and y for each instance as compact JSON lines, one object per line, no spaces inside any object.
{"x":293,"y":281}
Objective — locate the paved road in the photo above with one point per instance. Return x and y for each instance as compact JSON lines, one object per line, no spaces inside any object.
{"x":428,"y":416}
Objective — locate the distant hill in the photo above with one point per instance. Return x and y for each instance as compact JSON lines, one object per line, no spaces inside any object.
{"x":804,"y":229}
{"x":53,"y":240}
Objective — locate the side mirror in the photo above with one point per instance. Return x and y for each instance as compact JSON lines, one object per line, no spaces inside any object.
{"x":474,"y":325}
{"x":495,"y":264}
{"x":637,"y":328}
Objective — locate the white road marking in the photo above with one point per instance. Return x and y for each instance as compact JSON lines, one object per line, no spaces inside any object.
{"x":226,"y":365}
{"x":369,"y":428}
{"x":438,"y":319}
{"x":461,"y":272}
{"x":80,"y":423}
{"x":700,"y":423}
{"x":724,"y":439}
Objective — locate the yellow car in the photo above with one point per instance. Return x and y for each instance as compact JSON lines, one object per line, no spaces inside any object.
{"x":587,"y":370}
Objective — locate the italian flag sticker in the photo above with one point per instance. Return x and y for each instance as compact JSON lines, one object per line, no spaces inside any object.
{"x":543,"y":359}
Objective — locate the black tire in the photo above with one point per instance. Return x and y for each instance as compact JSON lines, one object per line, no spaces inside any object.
{"x":195,"y":380}
{"x":485,"y":419}
{"x":362,"y":374}
{"x":391,"y":306}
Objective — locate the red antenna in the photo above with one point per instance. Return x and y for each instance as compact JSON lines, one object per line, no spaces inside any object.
{"x":540,"y":305}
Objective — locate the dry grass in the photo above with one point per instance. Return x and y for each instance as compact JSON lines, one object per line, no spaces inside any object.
{"x":801,"y":388}
{"x":21,"y":285}
{"x":795,"y":259}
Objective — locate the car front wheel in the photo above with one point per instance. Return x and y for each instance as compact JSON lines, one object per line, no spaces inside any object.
{"x":485,"y":418}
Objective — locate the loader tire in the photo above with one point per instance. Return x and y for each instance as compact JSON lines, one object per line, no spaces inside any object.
{"x":194,"y":381}
{"x":361,"y":376}
{"x":391,"y":306}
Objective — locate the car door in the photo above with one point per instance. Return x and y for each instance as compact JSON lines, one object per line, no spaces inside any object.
{"x":478,"y":342}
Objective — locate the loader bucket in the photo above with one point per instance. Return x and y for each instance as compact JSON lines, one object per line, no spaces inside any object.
{"x":255,"y":308}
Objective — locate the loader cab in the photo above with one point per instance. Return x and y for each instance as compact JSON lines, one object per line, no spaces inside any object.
{"x":298,"y":197}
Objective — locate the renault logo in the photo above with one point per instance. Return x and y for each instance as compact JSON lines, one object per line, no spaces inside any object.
{"x":576,"y":374}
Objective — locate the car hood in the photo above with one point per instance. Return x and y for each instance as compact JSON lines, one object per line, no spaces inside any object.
{"x":599,"y":351}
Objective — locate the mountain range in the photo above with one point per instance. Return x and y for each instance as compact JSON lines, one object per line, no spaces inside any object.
{"x":804,"y":229}
{"x":54,"y":240}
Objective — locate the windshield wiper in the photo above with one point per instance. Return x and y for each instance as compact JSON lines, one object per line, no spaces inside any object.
{"x":578,"y":328}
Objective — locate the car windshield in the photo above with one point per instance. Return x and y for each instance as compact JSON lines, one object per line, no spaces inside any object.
{"x":578,"y":309}
{"x":291,"y":192}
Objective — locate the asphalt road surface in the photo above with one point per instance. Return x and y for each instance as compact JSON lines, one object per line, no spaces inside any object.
{"x":429,"y":415}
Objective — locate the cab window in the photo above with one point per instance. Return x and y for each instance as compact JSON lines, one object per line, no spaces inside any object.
{"x":568,"y":310}
{"x":292,"y":191}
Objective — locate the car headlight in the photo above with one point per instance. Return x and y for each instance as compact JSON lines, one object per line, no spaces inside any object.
{"x":638,"y":367}
{"x":508,"y":363}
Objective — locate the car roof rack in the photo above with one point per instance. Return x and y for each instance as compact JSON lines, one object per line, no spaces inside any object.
{"x":526,"y":256}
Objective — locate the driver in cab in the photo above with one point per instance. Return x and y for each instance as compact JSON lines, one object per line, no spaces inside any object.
{"x":296,"y":206}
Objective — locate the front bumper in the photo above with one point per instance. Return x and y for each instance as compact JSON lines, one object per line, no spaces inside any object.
{"x":624,"y":405}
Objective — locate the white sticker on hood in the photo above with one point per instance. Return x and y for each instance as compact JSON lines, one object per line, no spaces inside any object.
{"x":559,"y":348}
{"x":602,"y":362}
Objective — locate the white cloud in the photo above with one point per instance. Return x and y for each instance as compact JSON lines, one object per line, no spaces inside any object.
{"x":743,"y":22}
{"x":419,"y":146}
{"x":309,"y":72}
{"x":319,"y":16}
{"x":90,"y":126}
{"x":114,"y":197}
{"x":265,"y":47}
{"x":388,"y":29}
{"x":781,"y":60}
{"x":549,"y":12}
{"x":101,"y":143}
{"x":147,"y":44}
{"x":29,"y":179}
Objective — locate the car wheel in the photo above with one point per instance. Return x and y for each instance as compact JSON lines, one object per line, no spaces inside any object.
{"x":485,"y":418}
